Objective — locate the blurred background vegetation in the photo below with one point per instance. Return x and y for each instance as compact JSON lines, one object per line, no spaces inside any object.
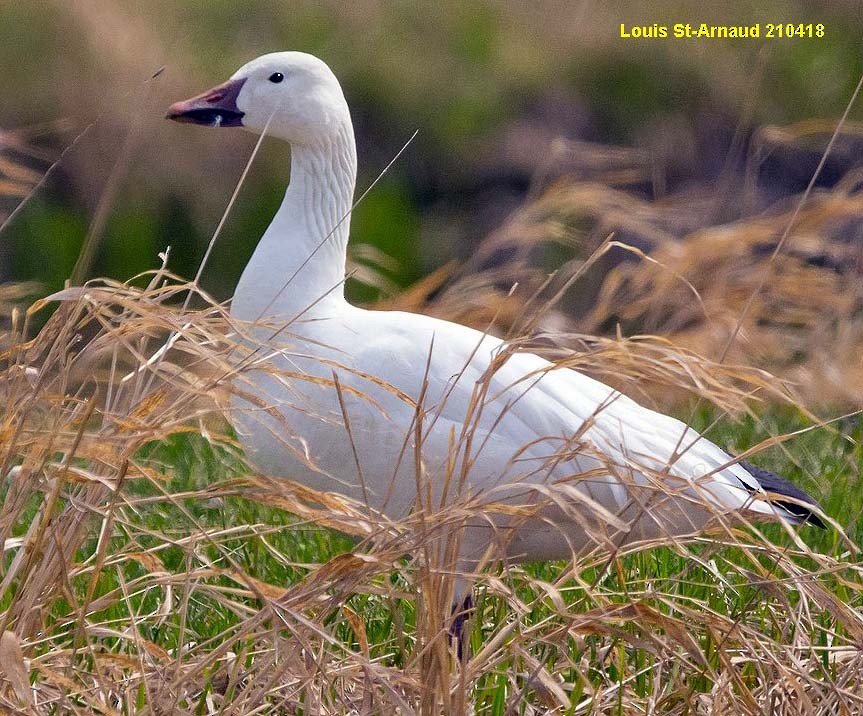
{"x":653,"y":141}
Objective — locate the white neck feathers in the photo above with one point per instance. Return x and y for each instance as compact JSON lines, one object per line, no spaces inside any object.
{"x":298,"y":268}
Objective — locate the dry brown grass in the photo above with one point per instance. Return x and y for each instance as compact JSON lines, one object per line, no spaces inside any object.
{"x":121,"y":595}
{"x":133,"y":582}
{"x":661,"y":268}
{"x":16,"y":177}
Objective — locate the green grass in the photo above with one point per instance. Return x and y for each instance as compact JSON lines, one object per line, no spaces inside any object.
{"x":196,"y":586}
{"x":278,"y":551}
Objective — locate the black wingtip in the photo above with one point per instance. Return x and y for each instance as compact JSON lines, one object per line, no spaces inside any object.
{"x":772,"y":483}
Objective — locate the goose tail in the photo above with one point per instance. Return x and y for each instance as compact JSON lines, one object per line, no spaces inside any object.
{"x":797,"y":508}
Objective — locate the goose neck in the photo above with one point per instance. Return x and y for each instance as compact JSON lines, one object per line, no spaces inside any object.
{"x":299,"y":264}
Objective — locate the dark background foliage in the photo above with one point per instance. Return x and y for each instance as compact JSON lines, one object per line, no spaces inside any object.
{"x":490,"y":87}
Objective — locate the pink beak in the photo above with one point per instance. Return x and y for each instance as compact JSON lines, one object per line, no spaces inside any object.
{"x":215,"y":108}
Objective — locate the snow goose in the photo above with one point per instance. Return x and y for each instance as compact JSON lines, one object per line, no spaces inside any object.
{"x":346,"y":393}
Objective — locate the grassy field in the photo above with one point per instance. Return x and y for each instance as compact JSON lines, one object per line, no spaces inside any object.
{"x":145,"y":570}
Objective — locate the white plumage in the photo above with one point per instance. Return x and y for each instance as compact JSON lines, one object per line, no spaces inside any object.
{"x":499,"y":425}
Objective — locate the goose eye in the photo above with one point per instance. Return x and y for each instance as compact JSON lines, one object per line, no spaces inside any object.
{"x":276,"y":77}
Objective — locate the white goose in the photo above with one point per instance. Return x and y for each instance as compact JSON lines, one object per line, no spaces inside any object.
{"x":504,"y":426}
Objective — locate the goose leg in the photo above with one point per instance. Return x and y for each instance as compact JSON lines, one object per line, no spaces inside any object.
{"x":462,"y":611}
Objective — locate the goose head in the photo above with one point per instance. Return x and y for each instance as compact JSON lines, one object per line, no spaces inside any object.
{"x":290,"y":95}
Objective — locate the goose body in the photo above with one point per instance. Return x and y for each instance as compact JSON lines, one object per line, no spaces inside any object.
{"x":358,"y":402}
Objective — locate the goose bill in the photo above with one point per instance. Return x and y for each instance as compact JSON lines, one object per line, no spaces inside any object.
{"x":215,"y":108}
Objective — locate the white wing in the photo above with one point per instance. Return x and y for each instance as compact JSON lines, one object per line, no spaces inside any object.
{"x":507,"y":426}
